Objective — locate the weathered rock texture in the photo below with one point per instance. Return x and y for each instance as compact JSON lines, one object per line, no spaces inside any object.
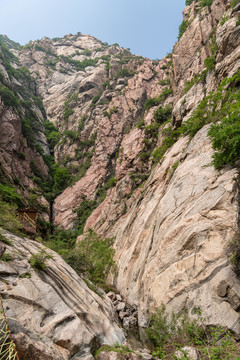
{"x":172,"y":231}
{"x":52,"y":313}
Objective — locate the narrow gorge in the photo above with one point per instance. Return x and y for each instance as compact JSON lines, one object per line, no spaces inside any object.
{"x":139,"y":155}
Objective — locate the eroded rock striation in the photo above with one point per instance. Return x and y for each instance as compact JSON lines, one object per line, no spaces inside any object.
{"x":146,"y":181}
{"x":52,"y":313}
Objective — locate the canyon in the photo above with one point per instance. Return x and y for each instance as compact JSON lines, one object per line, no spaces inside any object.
{"x":134,"y":165}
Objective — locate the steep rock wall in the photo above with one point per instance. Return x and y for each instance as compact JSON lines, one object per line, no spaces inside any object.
{"x":172,"y":235}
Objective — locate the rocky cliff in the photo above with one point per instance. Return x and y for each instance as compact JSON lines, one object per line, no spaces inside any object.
{"x":134,"y":137}
{"x":52,"y":314}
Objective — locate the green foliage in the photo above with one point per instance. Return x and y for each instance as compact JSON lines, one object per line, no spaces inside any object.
{"x":95,"y":99}
{"x":93,"y":257}
{"x":151,"y":102}
{"x":162,"y":114}
{"x":26,"y":275}
{"x":4,"y":239}
{"x":112,"y":110}
{"x":216,"y":106}
{"x":52,"y":134}
{"x":8,"y":97}
{"x":202,"y":3}
{"x":234,"y":3}
{"x":87,"y":52}
{"x":21,"y":155}
{"x":6,"y":257}
{"x":206,"y":3}
{"x":107,"y":85}
{"x":37,"y":261}
{"x":197,"y":78}
{"x":226,"y":140}
{"x":9,"y":217}
{"x":79,"y":65}
{"x":9,"y":195}
{"x":9,"y":43}
{"x":61,"y":180}
{"x":224,"y":19}
{"x":156,"y":101}
{"x":124,"y":72}
{"x":83,"y":212}
{"x":71,"y":134}
{"x":171,"y":137}
{"x":60,"y":240}
{"x":182,"y":28}
{"x":238,"y":21}
{"x":120,"y":349}
{"x":170,"y":332}
{"x":164,"y":82}
{"x":210,"y":63}
{"x":67,"y":113}
{"x":140,"y":124}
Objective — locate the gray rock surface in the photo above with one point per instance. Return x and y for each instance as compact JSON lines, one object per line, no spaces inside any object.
{"x":52,"y":314}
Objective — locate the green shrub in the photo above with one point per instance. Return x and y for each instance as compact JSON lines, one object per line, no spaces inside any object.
{"x":182,"y":28}
{"x":52,"y":134}
{"x":92,"y":257}
{"x":156,"y":101}
{"x":140,"y":124}
{"x":83,"y":212}
{"x":162,"y":114}
{"x":151,"y":102}
{"x":234,"y":3}
{"x":9,"y":219}
{"x":170,"y":332}
{"x":37,"y":261}
{"x":21,"y":155}
{"x":4,"y":239}
{"x":8,"y":97}
{"x":124,"y":72}
{"x":9,"y":195}
{"x":197,"y":78}
{"x":60,"y":240}
{"x":226,"y":140}
{"x":120,"y":349}
{"x":87,"y":52}
{"x":210,"y":63}
{"x":67,"y":113}
{"x":6,"y":257}
{"x":61,"y":180}
{"x":206,"y":3}
{"x":27,"y":275}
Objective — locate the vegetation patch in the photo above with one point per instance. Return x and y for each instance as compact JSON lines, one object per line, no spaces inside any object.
{"x":124,"y":72}
{"x":234,"y":252}
{"x":92,"y":257}
{"x":120,"y":349}
{"x":37,"y":261}
{"x":171,"y":332}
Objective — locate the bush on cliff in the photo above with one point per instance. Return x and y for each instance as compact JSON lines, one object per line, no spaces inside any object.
{"x":171,"y":332}
{"x":9,"y":217}
{"x":92,"y":257}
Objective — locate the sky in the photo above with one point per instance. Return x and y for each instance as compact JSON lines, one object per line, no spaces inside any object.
{"x":148,"y":27}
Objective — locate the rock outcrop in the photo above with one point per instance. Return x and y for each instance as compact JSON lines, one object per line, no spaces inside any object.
{"x":52,"y":314}
{"x":172,"y":216}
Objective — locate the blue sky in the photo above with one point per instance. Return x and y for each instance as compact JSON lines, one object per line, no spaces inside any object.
{"x":148,"y":27}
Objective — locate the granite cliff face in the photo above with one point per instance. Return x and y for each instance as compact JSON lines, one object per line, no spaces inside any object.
{"x":153,"y":188}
